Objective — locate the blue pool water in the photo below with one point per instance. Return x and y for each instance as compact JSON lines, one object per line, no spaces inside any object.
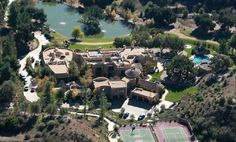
{"x":198,"y":59}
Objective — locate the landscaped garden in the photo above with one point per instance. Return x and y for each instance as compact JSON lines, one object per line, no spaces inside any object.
{"x":175,"y":95}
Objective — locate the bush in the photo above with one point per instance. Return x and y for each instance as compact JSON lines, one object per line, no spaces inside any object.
{"x":38,"y":135}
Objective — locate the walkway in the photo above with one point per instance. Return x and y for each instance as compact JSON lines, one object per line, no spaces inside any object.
{"x":32,"y":96}
{"x":95,"y":43}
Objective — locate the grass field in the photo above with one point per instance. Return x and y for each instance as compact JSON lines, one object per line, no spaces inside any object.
{"x":139,"y":135}
{"x":156,"y":76}
{"x":176,"y":95}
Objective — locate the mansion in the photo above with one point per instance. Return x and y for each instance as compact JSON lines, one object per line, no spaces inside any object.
{"x":123,"y":63}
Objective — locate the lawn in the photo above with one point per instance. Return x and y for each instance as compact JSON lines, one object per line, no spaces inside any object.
{"x":176,"y":95}
{"x":93,"y":39}
{"x":84,"y":47}
{"x":186,"y":31}
{"x":156,"y":76}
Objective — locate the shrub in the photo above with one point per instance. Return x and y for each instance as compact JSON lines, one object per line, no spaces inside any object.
{"x":41,"y":126}
{"x":27,"y":137}
{"x":51,"y":124}
{"x":120,"y":41}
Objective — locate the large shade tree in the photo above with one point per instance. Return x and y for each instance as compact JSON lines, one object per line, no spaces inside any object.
{"x":77,"y":33}
{"x":162,"y":16}
{"x":181,"y":71}
{"x":204,"y":22}
{"x":7,"y":91}
{"x":220,"y":63}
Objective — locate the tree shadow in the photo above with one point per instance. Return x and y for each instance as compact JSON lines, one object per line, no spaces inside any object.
{"x":202,"y":34}
{"x":222,"y":35}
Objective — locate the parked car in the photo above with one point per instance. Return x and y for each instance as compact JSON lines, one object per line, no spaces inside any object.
{"x":32,"y":59}
{"x":32,"y":90}
{"x":37,"y":63}
{"x":22,"y":77}
{"x":141,"y":117}
{"x":126,"y":115}
{"x":26,"y":88}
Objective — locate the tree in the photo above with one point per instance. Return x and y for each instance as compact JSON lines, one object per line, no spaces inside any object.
{"x":60,"y":95}
{"x":34,"y":108}
{"x":87,"y":100}
{"x":129,"y":5}
{"x":204,"y":22}
{"x":46,"y":98}
{"x":94,"y":11}
{"x":73,"y":70}
{"x":63,"y":111}
{"x":103,"y":106}
{"x":226,"y":20}
{"x":77,"y":33}
{"x":3,"y":8}
{"x":162,"y":16}
{"x":142,"y":39}
{"x":92,"y":25}
{"x":181,"y":71}
{"x":7,"y":91}
{"x":232,"y":42}
{"x":24,"y":106}
{"x":224,"y":47}
{"x":220,"y":63}
{"x":86,"y":78}
{"x":51,"y":109}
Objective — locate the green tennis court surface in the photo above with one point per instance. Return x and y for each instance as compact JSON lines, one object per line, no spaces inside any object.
{"x":139,"y":135}
{"x":174,"y":135}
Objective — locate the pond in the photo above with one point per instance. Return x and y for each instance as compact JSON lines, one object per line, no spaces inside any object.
{"x":63,"y":19}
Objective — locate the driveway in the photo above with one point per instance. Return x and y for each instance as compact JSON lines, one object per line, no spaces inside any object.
{"x":32,"y":96}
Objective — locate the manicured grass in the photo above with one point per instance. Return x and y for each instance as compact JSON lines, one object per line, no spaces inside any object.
{"x":156,"y":76}
{"x":84,"y":47}
{"x":58,"y":37}
{"x":176,"y":95}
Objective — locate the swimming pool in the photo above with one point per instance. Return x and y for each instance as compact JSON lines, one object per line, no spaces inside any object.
{"x":200,"y":59}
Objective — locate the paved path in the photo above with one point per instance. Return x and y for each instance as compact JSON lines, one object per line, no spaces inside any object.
{"x":95,"y":43}
{"x":181,"y":35}
{"x":32,"y":97}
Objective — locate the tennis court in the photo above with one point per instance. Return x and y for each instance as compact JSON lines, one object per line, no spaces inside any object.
{"x":140,"y":134}
{"x":171,"y":132}
{"x":174,"y":135}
